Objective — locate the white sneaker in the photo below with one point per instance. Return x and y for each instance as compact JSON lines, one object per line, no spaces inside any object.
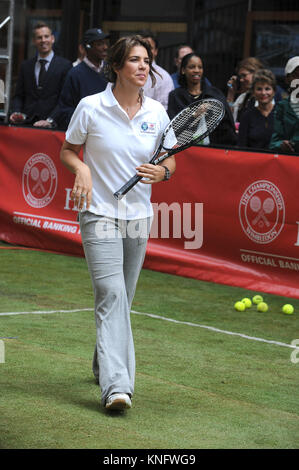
{"x":118,"y":401}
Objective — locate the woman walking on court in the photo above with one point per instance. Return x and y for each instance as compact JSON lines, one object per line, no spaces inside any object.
{"x":119,"y":130}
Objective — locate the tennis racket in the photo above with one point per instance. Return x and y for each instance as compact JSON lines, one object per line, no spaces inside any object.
{"x":190,"y":126}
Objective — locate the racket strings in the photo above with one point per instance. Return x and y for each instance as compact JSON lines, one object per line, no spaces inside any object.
{"x":194,"y":122}
{"x":191,"y":125}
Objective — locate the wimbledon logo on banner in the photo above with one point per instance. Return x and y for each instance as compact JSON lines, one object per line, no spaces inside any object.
{"x":39,"y":181}
{"x":262,"y":212}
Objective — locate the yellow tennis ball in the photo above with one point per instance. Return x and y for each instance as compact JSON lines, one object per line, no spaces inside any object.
{"x":257,"y":299}
{"x":247,"y":302}
{"x":262,"y":307}
{"x":288,"y":309}
{"x":240,"y":306}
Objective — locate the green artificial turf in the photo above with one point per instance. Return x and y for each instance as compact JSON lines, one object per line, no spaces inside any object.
{"x":195,"y":388}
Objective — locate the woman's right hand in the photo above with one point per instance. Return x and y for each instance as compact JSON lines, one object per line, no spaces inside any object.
{"x":81,"y":192}
{"x":82,"y":189}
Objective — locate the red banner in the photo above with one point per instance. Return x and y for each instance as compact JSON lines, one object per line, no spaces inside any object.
{"x":225,"y":216}
{"x":35,"y":209}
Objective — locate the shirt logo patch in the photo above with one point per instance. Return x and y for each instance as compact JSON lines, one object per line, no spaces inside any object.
{"x":148,"y":128}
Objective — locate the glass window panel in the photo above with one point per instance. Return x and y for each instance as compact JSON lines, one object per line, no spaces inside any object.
{"x":162,"y":10}
{"x":154,"y":8}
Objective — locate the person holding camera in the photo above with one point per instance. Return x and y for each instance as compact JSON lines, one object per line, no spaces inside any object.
{"x":238,"y":86}
{"x":239,"y":94}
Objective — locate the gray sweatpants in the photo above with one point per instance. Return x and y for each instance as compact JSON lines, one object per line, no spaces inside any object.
{"x":114,"y":250}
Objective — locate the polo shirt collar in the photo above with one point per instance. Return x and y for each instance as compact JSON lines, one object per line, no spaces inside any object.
{"x":108,"y":96}
{"x":109,"y":99}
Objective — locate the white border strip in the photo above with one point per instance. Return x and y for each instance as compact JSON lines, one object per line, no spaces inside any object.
{"x":36,"y":216}
{"x":217,"y":330}
{"x":159,"y":317}
{"x":45,"y":312}
{"x":268,"y":254}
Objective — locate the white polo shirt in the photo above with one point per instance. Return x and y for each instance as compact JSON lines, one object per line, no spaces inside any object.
{"x":114,"y":146}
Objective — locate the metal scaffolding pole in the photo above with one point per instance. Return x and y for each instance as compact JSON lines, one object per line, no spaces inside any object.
{"x":6,"y":57}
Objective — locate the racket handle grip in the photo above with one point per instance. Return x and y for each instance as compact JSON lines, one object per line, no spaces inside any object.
{"x":127,"y":187}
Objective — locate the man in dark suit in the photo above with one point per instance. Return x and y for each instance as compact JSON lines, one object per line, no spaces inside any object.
{"x":39,"y":83}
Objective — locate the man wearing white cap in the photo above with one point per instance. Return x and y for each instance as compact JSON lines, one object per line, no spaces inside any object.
{"x":291,"y":65}
{"x":285,"y":137}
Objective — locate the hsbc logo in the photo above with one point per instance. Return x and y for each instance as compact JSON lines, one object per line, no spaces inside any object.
{"x":262,"y":212}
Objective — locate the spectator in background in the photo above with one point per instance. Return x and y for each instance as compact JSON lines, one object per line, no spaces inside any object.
{"x":285,"y":137}
{"x":180,"y":53}
{"x":239,"y":86}
{"x":164,"y":84}
{"x":256,"y":124}
{"x":192,"y":88}
{"x":40,"y":82}
{"x":86,"y":78}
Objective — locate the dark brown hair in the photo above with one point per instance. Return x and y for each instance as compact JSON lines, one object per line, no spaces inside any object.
{"x":264,"y":76}
{"x":119,"y":52}
{"x":40,"y":24}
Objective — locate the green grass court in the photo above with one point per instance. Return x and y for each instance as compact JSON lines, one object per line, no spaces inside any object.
{"x":196,"y":388}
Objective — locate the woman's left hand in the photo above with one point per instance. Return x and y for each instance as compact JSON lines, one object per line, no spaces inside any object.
{"x":152,"y":173}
